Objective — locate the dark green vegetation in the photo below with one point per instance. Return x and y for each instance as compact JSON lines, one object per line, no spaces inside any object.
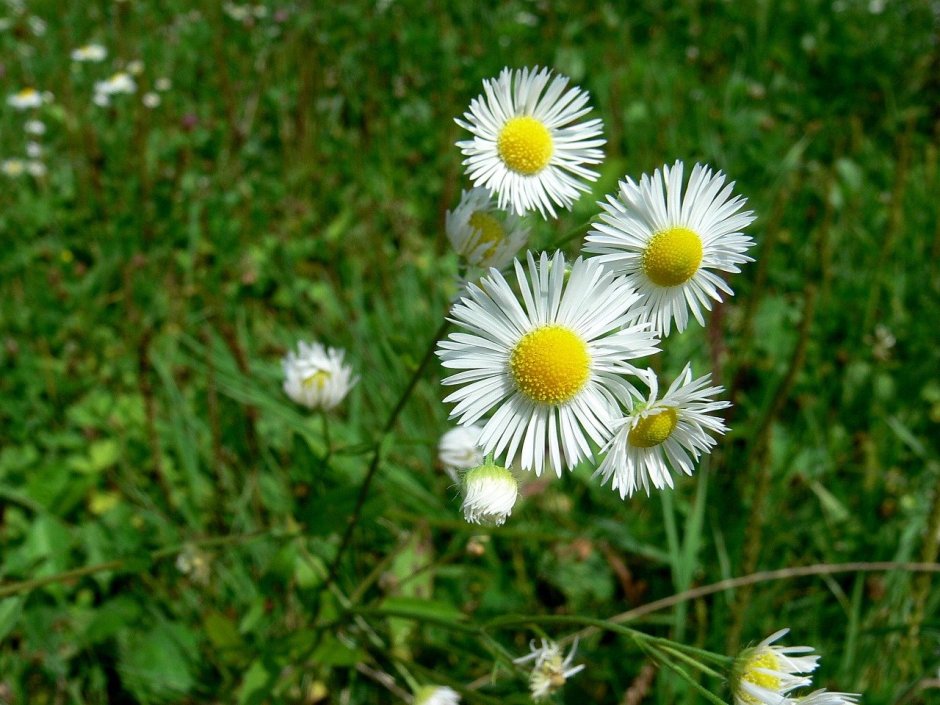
{"x":292,"y":184}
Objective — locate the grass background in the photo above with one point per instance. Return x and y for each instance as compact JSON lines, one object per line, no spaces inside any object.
{"x":292,"y":184}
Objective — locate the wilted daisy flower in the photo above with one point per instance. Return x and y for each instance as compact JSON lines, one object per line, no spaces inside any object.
{"x":825,"y":697}
{"x":459,"y":449}
{"x":551,"y":368}
{"x":489,"y":494}
{"x":765,"y":674}
{"x":316,"y":377}
{"x":90,"y":52}
{"x":34,"y":127}
{"x":436,"y":695}
{"x":550,"y":671}
{"x":482,"y":234}
{"x":667,"y":244}
{"x":25,"y":99}
{"x":655,"y":431}
{"x":12,"y":167}
{"x":527,"y":146}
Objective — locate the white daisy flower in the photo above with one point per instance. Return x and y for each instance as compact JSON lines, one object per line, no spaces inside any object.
{"x":33,"y":150}
{"x":12,"y":167}
{"x":481,"y":233}
{"x":35,"y":168}
{"x":765,"y":674}
{"x":151,"y":100}
{"x":550,"y":672}
{"x":316,"y":377}
{"x":459,"y":449}
{"x":90,"y":52}
{"x":527,"y":146}
{"x":34,"y":127}
{"x":667,"y":244}
{"x":436,"y":695}
{"x":552,"y":367}
{"x":825,"y":697}
{"x":655,"y":431}
{"x":25,"y":99}
{"x":121,"y":82}
{"x":489,"y":494}
{"x":163,"y":84}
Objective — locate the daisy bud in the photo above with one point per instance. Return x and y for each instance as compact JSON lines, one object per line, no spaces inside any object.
{"x":436,"y":695}
{"x":490,"y":492}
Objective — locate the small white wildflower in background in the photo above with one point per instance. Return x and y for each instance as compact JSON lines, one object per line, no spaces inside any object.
{"x":765,"y":674}
{"x":825,"y":697}
{"x":194,"y":563}
{"x":12,"y":167}
{"x":36,"y":168}
{"x":135,"y":67}
{"x":548,"y":367}
{"x":33,"y":150}
{"x":119,"y":83}
{"x":657,"y":433}
{"x":316,"y":377}
{"x":35,"y":127}
{"x":151,"y":100}
{"x":163,"y":84}
{"x":489,"y":494}
{"x":25,"y":99}
{"x":667,"y":244}
{"x":527,"y":145}
{"x":550,"y":672}
{"x":481,"y":233}
{"x":93,"y":53}
{"x":459,"y":449}
{"x":436,"y":695}
{"x":239,"y":13}
{"x":37,"y":25}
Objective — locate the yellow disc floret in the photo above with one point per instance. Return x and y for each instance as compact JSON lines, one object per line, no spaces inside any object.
{"x":525,"y":145}
{"x":490,"y":231}
{"x":749,"y":673}
{"x":550,"y":365}
{"x":672,"y":256}
{"x":654,"y":429}
{"x":318,"y":379}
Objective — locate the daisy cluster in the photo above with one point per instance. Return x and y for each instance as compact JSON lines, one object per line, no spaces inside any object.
{"x":547,"y":358}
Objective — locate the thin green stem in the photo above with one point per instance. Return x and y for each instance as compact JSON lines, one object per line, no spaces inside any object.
{"x":656,"y":654}
{"x":377,"y":456}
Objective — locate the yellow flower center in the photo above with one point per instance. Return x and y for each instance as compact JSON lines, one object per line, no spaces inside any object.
{"x":772,"y":683}
{"x":318,"y":379}
{"x":27,"y":93}
{"x":672,"y":256}
{"x":525,"y":145}
{"x":654,"y":429}
{"x":550,"y":365}
{"x":489,"y":231}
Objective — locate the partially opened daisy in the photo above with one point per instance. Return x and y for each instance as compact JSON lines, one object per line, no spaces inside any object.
{"x":483,"y":234}
{"x":316,"y":376}
{"x":766,"y":674}
{"x":657,"y":434}
{"x":528,"y":145}
{"x":551,"y":368}
{"x":669,"y":244}
{"x":550,"y":671}
{"x":436,"y":695}
{"x":490,"y":492}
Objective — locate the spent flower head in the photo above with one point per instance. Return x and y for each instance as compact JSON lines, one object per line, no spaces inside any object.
{"x":316,"y":377}
{"x":550,"y":671}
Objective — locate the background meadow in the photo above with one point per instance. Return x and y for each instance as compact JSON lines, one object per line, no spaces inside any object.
{"x":292,"y":184}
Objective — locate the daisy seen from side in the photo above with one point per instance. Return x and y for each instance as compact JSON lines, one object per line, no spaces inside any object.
{"x":481,"y":233}
{"x":552,"y":367}
{"x":659,"y":434}
{"x":316,"y":376}
{"x":765,"y":674}
{"x":670,"y":244}
{"x":528,"y":145}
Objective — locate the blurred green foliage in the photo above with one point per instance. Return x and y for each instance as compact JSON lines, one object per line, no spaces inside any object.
{"x":292,"y":184}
